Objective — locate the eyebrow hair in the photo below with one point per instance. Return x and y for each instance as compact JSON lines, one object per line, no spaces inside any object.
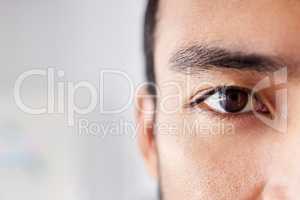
{"x":201,"y":57}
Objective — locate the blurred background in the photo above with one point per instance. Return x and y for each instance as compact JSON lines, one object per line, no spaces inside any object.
{"x":42,"y":156}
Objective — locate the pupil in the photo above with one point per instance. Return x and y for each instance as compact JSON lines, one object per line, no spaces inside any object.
{"x":233,"y":99}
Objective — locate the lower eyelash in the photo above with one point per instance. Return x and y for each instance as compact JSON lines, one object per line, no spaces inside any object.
{"x":223,"y":116}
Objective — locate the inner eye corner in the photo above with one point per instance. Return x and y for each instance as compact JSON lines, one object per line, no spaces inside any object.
{"x":270,"y":109}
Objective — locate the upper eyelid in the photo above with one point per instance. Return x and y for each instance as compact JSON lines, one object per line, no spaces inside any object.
{"x":203,"y":97}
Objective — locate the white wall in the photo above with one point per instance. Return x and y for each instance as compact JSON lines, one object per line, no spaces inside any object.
{"x":41,"y":157}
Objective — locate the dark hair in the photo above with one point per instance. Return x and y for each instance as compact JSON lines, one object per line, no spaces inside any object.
{"x":149,"y":42}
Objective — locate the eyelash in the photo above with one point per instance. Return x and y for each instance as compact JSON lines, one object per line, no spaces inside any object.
{"x":198,"y":100}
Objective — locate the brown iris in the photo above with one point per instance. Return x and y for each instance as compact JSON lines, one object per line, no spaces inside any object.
{"x":233,"y":99}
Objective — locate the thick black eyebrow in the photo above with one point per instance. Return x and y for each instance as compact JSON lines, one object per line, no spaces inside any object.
{"x":200,"y":57}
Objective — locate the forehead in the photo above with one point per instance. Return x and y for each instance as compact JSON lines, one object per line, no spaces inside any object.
{"x":262,"y":26}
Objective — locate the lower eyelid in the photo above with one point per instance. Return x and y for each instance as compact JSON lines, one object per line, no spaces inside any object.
{"x":241,"y":119}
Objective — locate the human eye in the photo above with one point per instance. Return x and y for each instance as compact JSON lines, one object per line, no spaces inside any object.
{"x":231,"y":100}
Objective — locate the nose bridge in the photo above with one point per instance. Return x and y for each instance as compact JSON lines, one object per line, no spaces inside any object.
{"x":284,"y":168}
{"x":289,"y":149}
{"x":285,"y":164}
{"x":286,"y":156}
{"x":284,"y":175}
{"x":293,"y":101}
{"x":291,"y":145}
{"x":284,"y":184}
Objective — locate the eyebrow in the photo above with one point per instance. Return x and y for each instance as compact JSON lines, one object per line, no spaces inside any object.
{"x":196,"y":58}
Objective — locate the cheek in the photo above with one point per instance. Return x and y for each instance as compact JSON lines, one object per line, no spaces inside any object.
{"x":196,"y":165}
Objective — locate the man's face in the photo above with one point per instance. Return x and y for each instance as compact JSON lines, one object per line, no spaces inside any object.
{"x":221,"y":125}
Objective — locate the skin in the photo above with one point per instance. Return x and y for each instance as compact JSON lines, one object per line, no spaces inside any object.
{"x":249,"y":159}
